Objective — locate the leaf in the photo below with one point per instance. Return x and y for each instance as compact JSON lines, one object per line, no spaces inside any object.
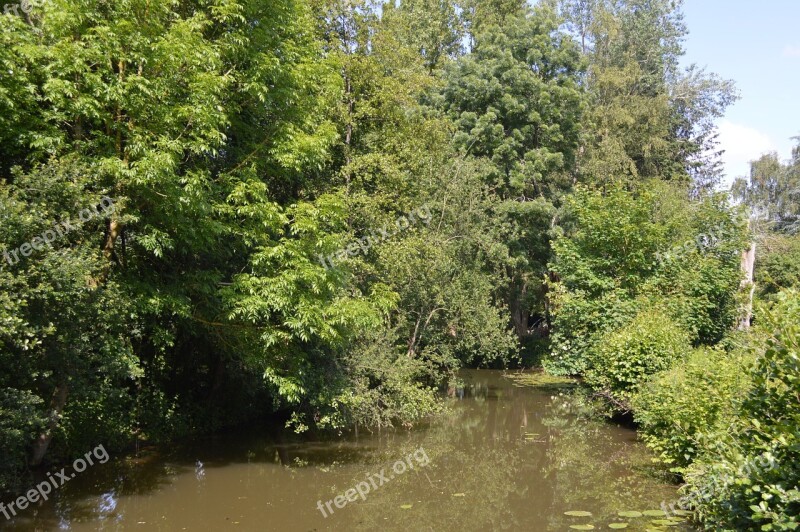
{"x":578,"y":513}
{"x":665,"y":522}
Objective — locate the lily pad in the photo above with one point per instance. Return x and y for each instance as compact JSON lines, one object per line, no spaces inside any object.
{"x":665,"y":522}
{"x":630,"y":514}
{"x":654,"y":513}
{"x":459,"y":494}
{"x":406,"y":506}
{"x":578,"y":513}
{"x":582,"y":527}
{"x":618,"y":526}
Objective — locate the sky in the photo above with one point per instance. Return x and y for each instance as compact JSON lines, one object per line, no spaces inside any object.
{"x":756,"y":44}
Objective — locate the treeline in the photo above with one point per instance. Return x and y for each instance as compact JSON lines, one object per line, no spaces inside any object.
{"x":559,"y":154}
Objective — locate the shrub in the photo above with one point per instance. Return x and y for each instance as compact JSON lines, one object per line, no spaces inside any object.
{"x":680,"y":409}
{"x":580,"y":322}
{"x":22,"y":418}
{"x":779,"y":267}
{"x":752,"y":476}
{"x":623,"y":251}
{"x":624,"y":358}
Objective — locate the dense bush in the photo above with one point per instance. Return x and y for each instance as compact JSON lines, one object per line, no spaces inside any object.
{"x":778,"y":267}
{"x":581,"y":322}
{"x":750,"y":478}
{"x":624,"y":251}
{"x":624,"y":358}
{"x":683,"y":408}
{"x":20,"y":422}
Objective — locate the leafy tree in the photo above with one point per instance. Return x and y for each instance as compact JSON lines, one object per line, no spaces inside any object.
{"x":208,"y":132}
{"x":624,"y":253}
{"x":778,"y":266}
{"x":516,"y":100}
{"x":649,"y":118}
{"x":432,"y":28}
{"x":773,"y":191}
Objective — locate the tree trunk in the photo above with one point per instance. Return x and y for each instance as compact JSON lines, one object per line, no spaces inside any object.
{"x":57,"y":404}
{"x":114,"y":229}
{"x":519,"y":314}
{"x":748,"y":268}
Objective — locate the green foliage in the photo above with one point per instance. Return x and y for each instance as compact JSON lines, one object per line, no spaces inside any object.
{"x":517,"y":102}
{"x":624,"y":252}
{"x":623,"y":359}
{"x":648,"y":117}
{"x":752,"y":474}
{"x":773,"y":191}
{"x":63,"y":329}
{"x":242,"y":141}
{"x":579,"y":321}
{"x":21,"y":420}
{"x":778,"y":265}
{"x":681,"y":410}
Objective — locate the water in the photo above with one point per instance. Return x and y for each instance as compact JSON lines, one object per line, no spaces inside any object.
{"x":503,"y":458}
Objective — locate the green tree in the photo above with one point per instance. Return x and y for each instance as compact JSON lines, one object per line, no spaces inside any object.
{"x":516,"y":101}
{"x":773,"y":191}
{"x":210,"y":133}
{"x":624,"y":252}
{"x":647,"y":116}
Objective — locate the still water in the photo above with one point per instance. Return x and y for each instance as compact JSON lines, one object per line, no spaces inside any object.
{"x":503,"y":457}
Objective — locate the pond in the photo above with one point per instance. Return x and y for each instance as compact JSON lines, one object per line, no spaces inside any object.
{"x":504,"y":456}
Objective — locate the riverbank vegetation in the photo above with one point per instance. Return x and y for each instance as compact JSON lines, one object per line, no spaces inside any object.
{"x":500,"y":185}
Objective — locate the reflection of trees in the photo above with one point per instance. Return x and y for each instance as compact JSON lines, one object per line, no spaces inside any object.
{"x":592,"y":467}
{"x":475,"y":452}
{"x":504,"y":458}
{"x":93,"y":495}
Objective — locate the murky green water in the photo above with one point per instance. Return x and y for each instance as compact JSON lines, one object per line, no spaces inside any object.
{"x":504,"y":458}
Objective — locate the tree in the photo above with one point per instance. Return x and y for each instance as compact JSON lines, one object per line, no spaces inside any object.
{"x":648,"y":117}
{"x":773,"y":191}
{"x":432,"y":28}
{"x":517,"y":101}
{"x":208,"y":131}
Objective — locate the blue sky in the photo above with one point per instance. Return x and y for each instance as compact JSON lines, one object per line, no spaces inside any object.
{"x":756,"y":44}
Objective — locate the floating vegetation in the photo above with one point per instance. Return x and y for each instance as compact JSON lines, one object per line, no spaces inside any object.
{"x":406,"y":506}
{"x":618,"y":526}
{"x":630,"y":514}
{"x":654,"y":513}
{"x":666,"y":522}
{"x":578,"y":513}
{"x":582,"y":527}
{"x":540,"y":379}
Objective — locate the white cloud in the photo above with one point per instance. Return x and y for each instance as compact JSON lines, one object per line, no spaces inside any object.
{"x":791,"y":51}
{"x":742,"y":144}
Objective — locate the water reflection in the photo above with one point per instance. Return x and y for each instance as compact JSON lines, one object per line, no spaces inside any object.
{"x":504,"y":458}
